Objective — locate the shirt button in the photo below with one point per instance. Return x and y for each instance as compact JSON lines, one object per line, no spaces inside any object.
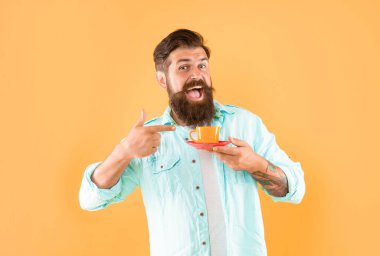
{"x":202,"y":214}
{"x":197,"y":187}
{"x":162,"y":166}
{"x":204,"y":242}
{"x":193,"y":161}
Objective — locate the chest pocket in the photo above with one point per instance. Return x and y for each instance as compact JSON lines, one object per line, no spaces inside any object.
{"x":165,"y":177}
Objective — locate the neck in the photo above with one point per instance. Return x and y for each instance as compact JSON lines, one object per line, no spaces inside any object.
{"x":176,"y":118}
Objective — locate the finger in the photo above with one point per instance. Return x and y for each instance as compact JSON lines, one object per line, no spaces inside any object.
{"x":156,"y":136}
{"x":153,"y":150}
{"x":140,"y":122}
{"x":160,"y":128}
{"x":155,"y":144}
{"x":237,"y":142}
{"x":226,"y":150}
{"x":225,"y":158}
{"x":156,"y":141}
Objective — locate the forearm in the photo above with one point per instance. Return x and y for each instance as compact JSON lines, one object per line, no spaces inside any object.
{"x":272,"y":178}
{"x":107,"y":174}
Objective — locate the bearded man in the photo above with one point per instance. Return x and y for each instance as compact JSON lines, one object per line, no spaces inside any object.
{"x":198,"y":202}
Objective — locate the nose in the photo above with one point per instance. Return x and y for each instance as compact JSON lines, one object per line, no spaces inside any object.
{"x":195,"y":75}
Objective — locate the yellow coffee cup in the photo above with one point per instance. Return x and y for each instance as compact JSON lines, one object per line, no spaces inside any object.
{"x":205,"y":134}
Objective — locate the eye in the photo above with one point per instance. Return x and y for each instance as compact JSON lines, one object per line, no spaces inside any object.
{"x":183,"y":68}
{"x":202,"y":66}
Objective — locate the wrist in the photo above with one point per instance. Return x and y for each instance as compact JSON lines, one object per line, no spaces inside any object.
{"x":260,"y":166}
{"x":120,"y":154}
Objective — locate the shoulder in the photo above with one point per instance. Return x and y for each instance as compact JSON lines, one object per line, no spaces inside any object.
{"x":240,"y":111}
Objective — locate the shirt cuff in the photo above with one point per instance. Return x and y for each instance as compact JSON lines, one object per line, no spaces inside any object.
{"x":291,"y":186}
{"x":104,"y":194}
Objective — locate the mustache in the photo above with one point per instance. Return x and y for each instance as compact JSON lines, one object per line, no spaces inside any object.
{"x":193,"y":83}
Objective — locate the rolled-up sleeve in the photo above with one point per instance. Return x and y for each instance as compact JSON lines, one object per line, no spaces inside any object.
{"x":92,"y":198}
{"x":267,"y":147}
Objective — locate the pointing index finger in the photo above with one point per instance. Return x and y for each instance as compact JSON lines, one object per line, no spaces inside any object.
{"x":160,"y":128}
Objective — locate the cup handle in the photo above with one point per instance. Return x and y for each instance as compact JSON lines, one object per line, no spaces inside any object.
{"x":190,"y":133}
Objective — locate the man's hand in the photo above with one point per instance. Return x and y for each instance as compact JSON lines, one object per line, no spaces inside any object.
{"x":240,"y":158}
{"x":271,"y":177}
{"x":141,"y":140}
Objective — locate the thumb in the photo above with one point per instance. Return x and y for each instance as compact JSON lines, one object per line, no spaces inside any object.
{"x":237,"y":142}
{"x":140,"y":122}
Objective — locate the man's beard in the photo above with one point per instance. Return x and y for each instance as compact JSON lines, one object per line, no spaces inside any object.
{"x":193,"y":113}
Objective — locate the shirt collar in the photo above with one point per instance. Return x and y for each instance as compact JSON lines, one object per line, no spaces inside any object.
{"x":220,"y":112}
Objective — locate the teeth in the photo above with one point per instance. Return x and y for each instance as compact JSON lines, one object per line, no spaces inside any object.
{"x":195,"y":87}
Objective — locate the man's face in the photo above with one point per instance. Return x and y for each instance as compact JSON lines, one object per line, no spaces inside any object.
{"x":189,"y":86}
{"x":187,"y":64}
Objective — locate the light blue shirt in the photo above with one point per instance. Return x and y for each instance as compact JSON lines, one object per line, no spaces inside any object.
{"x":173,"y":192}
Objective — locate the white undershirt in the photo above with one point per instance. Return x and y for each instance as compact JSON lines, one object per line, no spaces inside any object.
{"x":216,"y":222}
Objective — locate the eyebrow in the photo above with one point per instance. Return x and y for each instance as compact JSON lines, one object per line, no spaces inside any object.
{"x":186,"y":60}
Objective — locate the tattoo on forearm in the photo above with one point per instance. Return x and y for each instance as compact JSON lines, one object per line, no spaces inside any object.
{"x":273,"y":179}
{"x":271,"y":168}
{"x":264,"y":182}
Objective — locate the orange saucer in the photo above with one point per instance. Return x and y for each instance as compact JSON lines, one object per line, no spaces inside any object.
{"x":207,"y":146}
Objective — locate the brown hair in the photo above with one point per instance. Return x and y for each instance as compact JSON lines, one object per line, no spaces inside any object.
{"x":176,"y":39}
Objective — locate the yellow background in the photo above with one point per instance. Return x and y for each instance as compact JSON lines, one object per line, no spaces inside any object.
{"x":74,"y":75}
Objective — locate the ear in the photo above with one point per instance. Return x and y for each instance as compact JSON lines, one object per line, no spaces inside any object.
{"x":161,"y":79}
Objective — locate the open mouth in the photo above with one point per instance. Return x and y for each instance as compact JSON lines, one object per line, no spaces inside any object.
{"x":195,"y":93}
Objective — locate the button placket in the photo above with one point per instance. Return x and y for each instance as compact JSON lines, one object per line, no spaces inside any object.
{"x":201,"y":214}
